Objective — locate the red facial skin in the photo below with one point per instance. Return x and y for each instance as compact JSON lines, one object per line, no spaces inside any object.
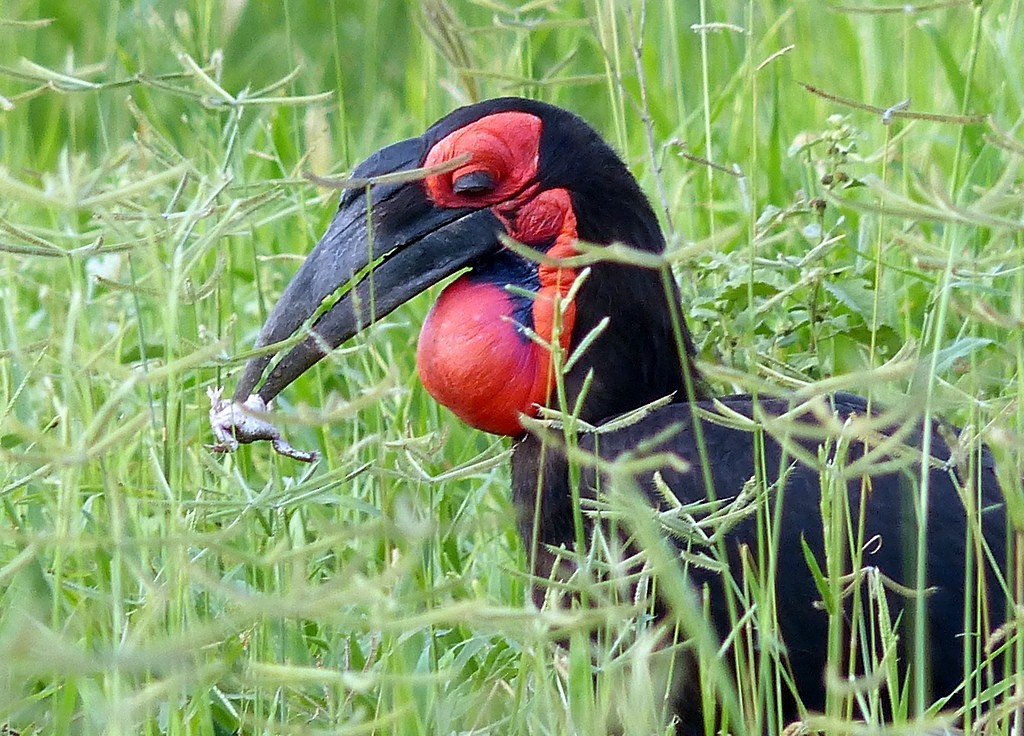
{"x":471,"y":357}
{"x":505,"y":145}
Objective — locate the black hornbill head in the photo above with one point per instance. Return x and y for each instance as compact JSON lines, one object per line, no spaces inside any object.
{"x":506,"y":167}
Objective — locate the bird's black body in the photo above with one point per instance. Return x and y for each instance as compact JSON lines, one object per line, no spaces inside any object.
{"x":542,"y":176}
{"x":735,"y":456}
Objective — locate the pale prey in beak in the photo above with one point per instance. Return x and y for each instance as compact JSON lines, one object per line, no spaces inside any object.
{"x":237,"y":424}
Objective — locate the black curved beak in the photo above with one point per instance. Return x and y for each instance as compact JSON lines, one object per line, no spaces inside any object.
{"x":387,"y":243}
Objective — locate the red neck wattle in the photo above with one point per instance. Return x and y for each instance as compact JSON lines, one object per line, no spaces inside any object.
{"x":474,"y":358}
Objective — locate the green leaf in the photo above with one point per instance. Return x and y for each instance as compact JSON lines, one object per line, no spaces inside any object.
{"x":859,"y":299}
{"x":960,"y":349}
{"x":819,"y":578}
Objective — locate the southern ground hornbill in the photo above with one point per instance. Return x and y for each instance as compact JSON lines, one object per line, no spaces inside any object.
{"x":513,"y":171}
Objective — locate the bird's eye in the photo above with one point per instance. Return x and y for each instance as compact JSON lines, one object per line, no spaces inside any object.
{"x":479,"y":181}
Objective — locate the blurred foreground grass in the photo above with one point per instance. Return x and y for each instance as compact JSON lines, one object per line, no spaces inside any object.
{"x":152,"y":206}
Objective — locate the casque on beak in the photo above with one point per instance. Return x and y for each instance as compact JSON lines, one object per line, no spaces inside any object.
{"x":387,"y":243}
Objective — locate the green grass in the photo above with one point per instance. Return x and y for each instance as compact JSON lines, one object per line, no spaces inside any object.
{"x":153,"y":205}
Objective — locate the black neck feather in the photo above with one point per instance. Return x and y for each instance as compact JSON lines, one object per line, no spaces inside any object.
{"x":645,"y":352}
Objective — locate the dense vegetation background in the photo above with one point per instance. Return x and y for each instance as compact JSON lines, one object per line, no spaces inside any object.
{"x":153,"y":205}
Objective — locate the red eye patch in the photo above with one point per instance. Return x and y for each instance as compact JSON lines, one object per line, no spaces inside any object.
{"x":504,"y":152}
